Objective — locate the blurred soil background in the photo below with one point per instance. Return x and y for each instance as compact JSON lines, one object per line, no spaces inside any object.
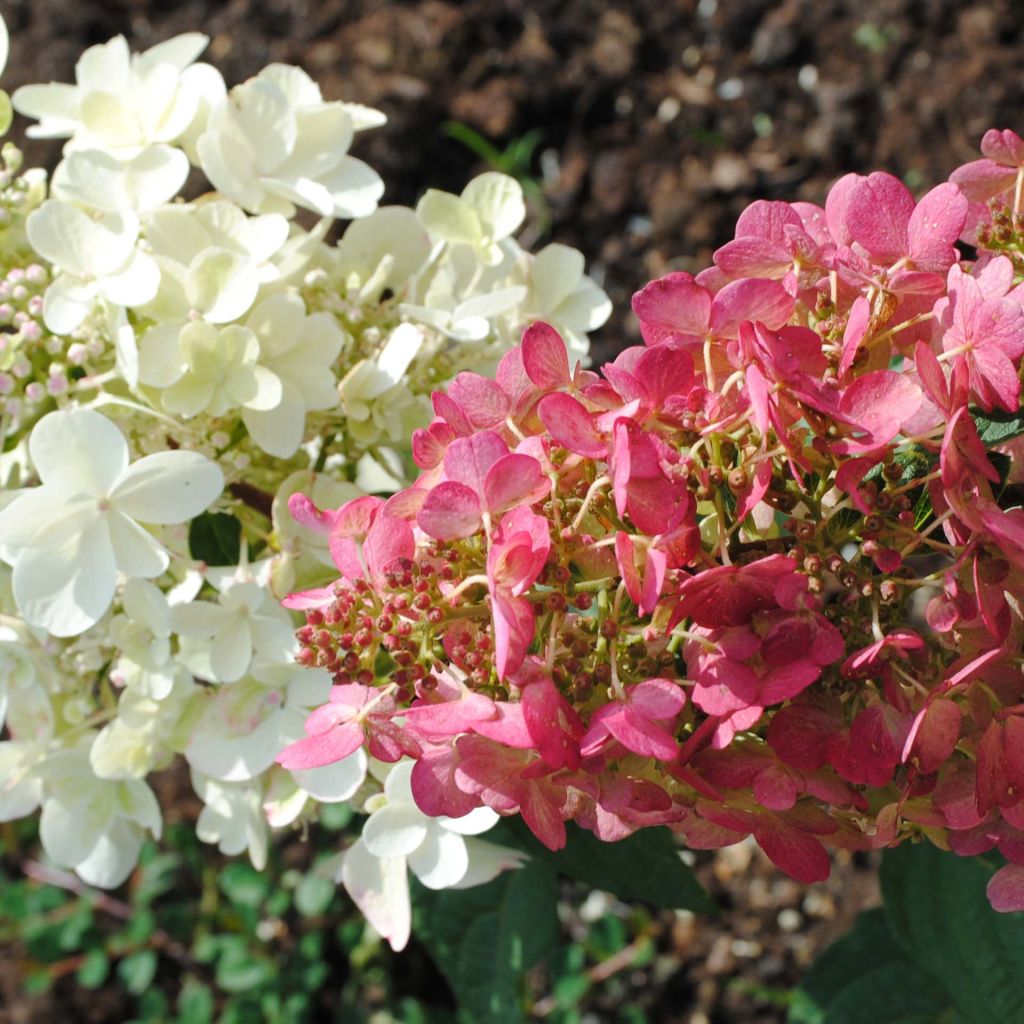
{"x":646,"y":127}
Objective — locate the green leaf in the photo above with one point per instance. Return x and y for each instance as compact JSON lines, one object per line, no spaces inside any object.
{"x":937,"y":909}
{"x":313,"y":895}
{"x":996,"y":427}
{"x":865,"y":978}
{"x":94,"y":969}
{"x":137,"y":971}
{"x":215,"y":538}
{"x":244,"y":885}
{"x":195,"y":1004}
{"x":644,"y":866}
{"x":936,"y":954}
{"x":486,"y":938}
{"x":239,"y":970}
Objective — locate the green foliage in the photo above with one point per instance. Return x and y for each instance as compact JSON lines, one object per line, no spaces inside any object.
{"x":998,"y":427}
{"x":484,"y":939}
{"x":936,"y":954}
{"x":215,"y":538}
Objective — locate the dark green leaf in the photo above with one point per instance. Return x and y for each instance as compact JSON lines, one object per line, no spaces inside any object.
{"x":866,"y":978}
{"x":486,"y":938}
{"x":239,"y":970}
{"x":938,"y":912}
{"x":996,"y":427}
{"x":244,"y":885}
{"x":215,"y":538}
{"x":137,"y":971}
{"x":644,"y":866}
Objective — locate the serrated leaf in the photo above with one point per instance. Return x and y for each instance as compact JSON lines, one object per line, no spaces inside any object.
{"x":937,"y":909}
{"x":996,"y":427}
{"x":486,"y":938}
{"x":215,"y":538}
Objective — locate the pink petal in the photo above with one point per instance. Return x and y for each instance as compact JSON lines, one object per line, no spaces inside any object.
{"x":322,"y":748}
{"x":641,"y":736}
{"x":673,"y":304}
{"x":800,"y":855}
{"x":553,"y":725}
{"x":752,"y":257}
{"x":544,"y":357}
{"x":659,"y":699}
{"x":514,"y":628}
{"x":750,"y":299}
{"x":982,"y":180}
{"x":481,"y":400}
{"x":935,"y":225}
{"x":387,"y":540}
{"x":853,"y":334}
{"x":450,"y":512}
{"x":878,"y":214}
{"x":305,"y":513}
{"x":571,"y":426}
{"x":469,"y":458}
{"x":1005,"y":889}
{"x":514,"y":480}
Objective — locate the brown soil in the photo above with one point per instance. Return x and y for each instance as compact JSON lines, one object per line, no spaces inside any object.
{"x":661,"y":120}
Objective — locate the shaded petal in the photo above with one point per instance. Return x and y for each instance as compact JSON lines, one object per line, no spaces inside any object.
{"x":168,"y":487}
{"x":79,"y":450}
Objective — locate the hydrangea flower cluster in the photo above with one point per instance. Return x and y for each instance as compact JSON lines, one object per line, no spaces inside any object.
{"x":173,"y":368}
{"x":761,"y":576}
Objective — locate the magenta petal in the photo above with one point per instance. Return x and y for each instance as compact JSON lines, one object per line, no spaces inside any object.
{"x":514,"y":627}
{"x":1005,"y":889}
{"x":305,"y":513}
{"x":981,"y":180}
{"x":469,"y":458}
{"x":877,"y":217}
{"x":450,"y":512}
{"x":750,"y":299}
{"x":544,"y":357}
{"x":514,"y":480}
{"x":641,"y":736}
{"x":481,"y":400}
{"x":673,"y":304}
{"x":934,"y":226}
{"x":660,"y":699}
{"x":388,"y":540}
{"x":571,"y":426}
{"x":322,"y":748}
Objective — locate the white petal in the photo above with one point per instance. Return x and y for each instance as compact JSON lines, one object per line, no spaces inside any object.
{"x":55,"y":104}
{"x":226,"y":162}
{"x":395,"y":830}
{"x":380,"y":888}
{"x":66,"y":588}
{"x":67,"y":302}
{"x":334,"y":783}
{"x":160,"y":360}
{"x":223,"y":748}
{"x":497,"y":200}
{"x":480,"y":819}
{"x":278,"y":431}
{"x":76,"y":242}
{"x":355,"y":187}
{"x":113,"y":858}
{"x":168,"y":487}
{"x":448,"y":217}
{"x":232,"y":650}
{"x":137,"y":552}
{"x":69,"y":831}
{"x":221,"y":285}
{"x":441,"y":861}
{"x":78,"y":450}
{"x":42,"y":517}
{"x":134,"y":284}
{"x":487,"y":861}
{"x":20,"y":793}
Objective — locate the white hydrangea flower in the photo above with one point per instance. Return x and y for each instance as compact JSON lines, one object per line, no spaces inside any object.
{"x":274,"y":144}
{"x":139,"y":739}
{"x":30,"y":724}
{"x":142,"y":633}
{"x":561,"y":294}
{"x":442,"y":852}
{"x":100,"y":181}
{"x":94,"y":826}
{"x":489,"y":210}
{"x":299,"y":350}
{"x":219,"y":640}
{"x":381,"y":251}
{"x":122,"y":103}
{"x":95,"y":257}
{"x":213,"y":260}
{"x":232,"y":818}
{"x":68,"y":538}
{"x":208,"y":369}
{"x":380,"y":380}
